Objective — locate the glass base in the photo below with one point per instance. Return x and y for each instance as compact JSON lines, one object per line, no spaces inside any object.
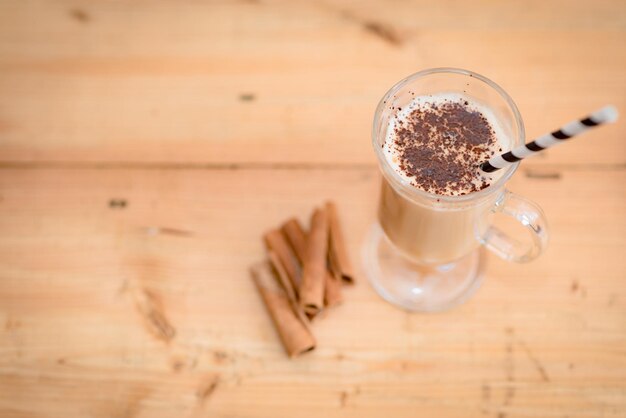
{"x":417,"y":287}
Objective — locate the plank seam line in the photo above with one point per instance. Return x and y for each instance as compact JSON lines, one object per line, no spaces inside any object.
{"x":67,"y":165}
{"x":182,"y":166}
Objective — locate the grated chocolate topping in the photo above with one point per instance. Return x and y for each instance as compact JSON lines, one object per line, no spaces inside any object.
{"x":439,"y":146}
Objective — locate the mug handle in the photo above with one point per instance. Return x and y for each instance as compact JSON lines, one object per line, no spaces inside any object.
{"x":527,"y":213}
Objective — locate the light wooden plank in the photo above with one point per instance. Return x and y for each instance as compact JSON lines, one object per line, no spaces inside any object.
{"x":265,"y":81}
{"x":543,"y":339}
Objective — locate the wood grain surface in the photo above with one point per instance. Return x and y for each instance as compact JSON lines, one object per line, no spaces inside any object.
{"x":146,"y":146}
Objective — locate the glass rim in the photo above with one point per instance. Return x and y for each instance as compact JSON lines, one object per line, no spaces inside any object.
{"x":407,"y":188}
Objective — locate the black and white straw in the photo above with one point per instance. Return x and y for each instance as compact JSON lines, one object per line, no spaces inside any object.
{"x":604,"y":115}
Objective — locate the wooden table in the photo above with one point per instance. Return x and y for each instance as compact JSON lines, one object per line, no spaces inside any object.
{"x":145,"y":146}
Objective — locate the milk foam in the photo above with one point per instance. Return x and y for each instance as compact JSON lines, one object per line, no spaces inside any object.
{"x":423,"y":102}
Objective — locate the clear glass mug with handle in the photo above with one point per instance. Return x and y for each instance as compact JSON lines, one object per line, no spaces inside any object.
{"x":425,"y":253}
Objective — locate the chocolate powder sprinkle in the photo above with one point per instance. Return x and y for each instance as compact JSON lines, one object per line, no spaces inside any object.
{"x":441,"y":146}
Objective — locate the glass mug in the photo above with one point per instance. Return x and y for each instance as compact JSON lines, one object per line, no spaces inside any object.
{"x":425,"y":252}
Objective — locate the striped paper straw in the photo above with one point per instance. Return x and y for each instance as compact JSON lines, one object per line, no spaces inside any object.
{"x":604,"y":115}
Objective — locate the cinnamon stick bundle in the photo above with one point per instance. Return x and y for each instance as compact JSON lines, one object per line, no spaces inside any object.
{"x":275,"y":241}
{"x":296,"y":236}
{"x":340,"y":264}
{"x":291,"y":324}
{"x":314,"y":265}
{"x":304,"y":272}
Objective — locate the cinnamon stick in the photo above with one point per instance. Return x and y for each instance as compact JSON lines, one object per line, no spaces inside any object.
{"x":314,"y":264}
{"x":332,"y":290}
{"x":283,"y":278}
{"x":281,"y":274}
{"x":340,"y":264}
{"x":296,"y":236}
{"x":276,"y":241}
{"x":292,"y":327}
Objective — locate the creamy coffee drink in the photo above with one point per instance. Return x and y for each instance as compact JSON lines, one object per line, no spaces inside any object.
{"x":436,"y":143}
